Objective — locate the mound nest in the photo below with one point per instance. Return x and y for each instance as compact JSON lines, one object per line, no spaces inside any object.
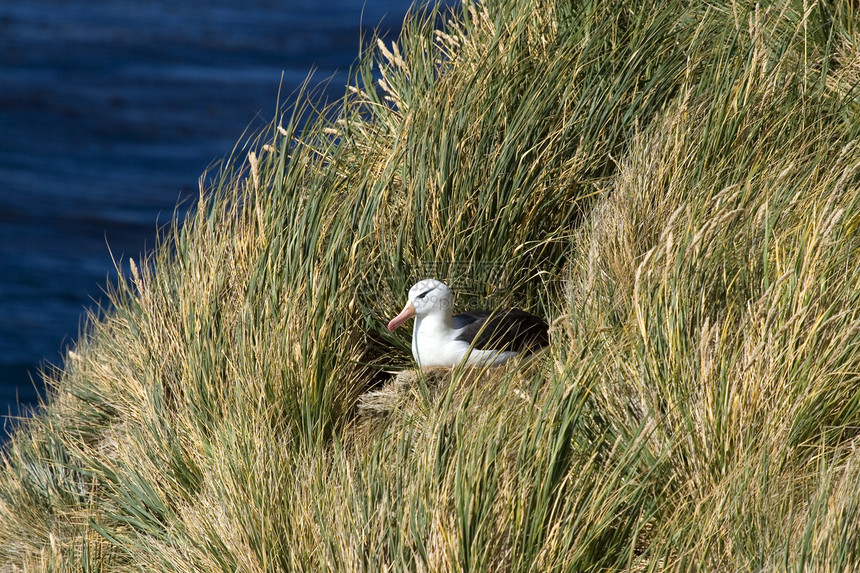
{"x":403,"y":386}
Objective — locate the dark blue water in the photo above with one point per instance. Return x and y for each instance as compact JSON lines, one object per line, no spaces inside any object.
{"x":110,"y":110}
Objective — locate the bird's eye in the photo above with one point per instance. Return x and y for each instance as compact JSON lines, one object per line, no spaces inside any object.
{"x":423,"y":294}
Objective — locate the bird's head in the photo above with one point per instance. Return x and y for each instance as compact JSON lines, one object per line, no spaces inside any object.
{"x":427,"y":296}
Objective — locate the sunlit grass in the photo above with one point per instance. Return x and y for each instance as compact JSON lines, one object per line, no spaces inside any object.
{"x":673,"y":185}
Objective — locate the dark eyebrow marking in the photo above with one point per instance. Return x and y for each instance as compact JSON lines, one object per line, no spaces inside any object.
{"x":423,"y":294}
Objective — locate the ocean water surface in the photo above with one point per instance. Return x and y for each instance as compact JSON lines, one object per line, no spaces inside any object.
{"x":110,"y":110}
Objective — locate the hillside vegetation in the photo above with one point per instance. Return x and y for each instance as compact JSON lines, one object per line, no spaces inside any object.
{"x":675,"y":185}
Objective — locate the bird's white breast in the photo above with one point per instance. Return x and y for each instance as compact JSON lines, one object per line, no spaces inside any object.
{"x":434,"y":343}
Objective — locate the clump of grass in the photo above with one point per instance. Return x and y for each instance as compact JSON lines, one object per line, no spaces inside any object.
{"x":721,"y":280}
{"x":675,"y":186}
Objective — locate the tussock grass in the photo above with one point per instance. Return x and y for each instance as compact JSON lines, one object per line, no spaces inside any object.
{"x":673,"y":185}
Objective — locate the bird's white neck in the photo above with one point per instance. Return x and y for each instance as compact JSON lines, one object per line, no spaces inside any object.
{"x":433,"y":327}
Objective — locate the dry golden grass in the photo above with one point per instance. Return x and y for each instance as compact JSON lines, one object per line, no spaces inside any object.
{"x":674,"y":186}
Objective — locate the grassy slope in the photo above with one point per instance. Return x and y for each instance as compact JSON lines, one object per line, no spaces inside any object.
{"x":676,"y":187}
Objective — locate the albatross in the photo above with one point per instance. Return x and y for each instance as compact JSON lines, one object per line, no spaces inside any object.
{"x":483,"y":338}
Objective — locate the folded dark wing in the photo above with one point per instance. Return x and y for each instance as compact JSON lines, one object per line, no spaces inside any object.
{"x":515,"y":330}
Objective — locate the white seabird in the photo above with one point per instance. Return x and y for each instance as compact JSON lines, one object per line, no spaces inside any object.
{"x":487,"y":338}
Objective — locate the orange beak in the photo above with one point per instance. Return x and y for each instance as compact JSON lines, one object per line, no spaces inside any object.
{"x":407,"y":313}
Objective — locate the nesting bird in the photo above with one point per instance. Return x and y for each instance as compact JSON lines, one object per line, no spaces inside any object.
{"x":482,"y":338}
